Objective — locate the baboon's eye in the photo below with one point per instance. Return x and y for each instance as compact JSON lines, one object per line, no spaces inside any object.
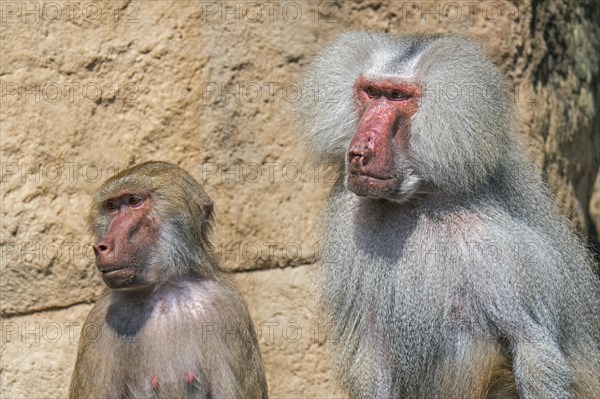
{"x":134,"y":201}
{"x":110,"y":205}
{"x":398,"y":95}
{"x":373,"y":92}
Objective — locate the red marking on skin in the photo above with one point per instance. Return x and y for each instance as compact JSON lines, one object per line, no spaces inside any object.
{"x":189,"y":377}
{"x":154,"y":382}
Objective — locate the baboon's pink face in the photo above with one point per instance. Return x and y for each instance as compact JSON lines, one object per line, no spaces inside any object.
{"x":124,"y":251}
{"x":378,"y":154}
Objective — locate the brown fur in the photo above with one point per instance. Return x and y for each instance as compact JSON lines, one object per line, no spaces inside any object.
{"x":174,"y":327}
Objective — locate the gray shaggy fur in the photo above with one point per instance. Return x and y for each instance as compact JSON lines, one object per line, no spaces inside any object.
{"x":428,"y":296}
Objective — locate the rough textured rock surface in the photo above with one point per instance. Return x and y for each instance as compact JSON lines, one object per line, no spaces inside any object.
{"x":564,"y":74}
{"x":89,"y":88}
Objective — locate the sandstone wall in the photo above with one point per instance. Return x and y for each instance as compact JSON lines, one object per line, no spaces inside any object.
{"x":91,"y":87}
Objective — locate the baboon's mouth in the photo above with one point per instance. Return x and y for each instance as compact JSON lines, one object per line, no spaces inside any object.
{"x":114,"y":271}
{"x":108,"y":271}
{"x":365,"y":185}
{"x":118,"y":277}
{"x":373,"y":180}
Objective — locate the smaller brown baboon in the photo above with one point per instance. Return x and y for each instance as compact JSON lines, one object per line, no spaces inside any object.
{"x":170,"y":325}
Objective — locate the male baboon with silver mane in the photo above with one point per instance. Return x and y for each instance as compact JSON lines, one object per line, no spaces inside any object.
{"x":447,"y":271}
